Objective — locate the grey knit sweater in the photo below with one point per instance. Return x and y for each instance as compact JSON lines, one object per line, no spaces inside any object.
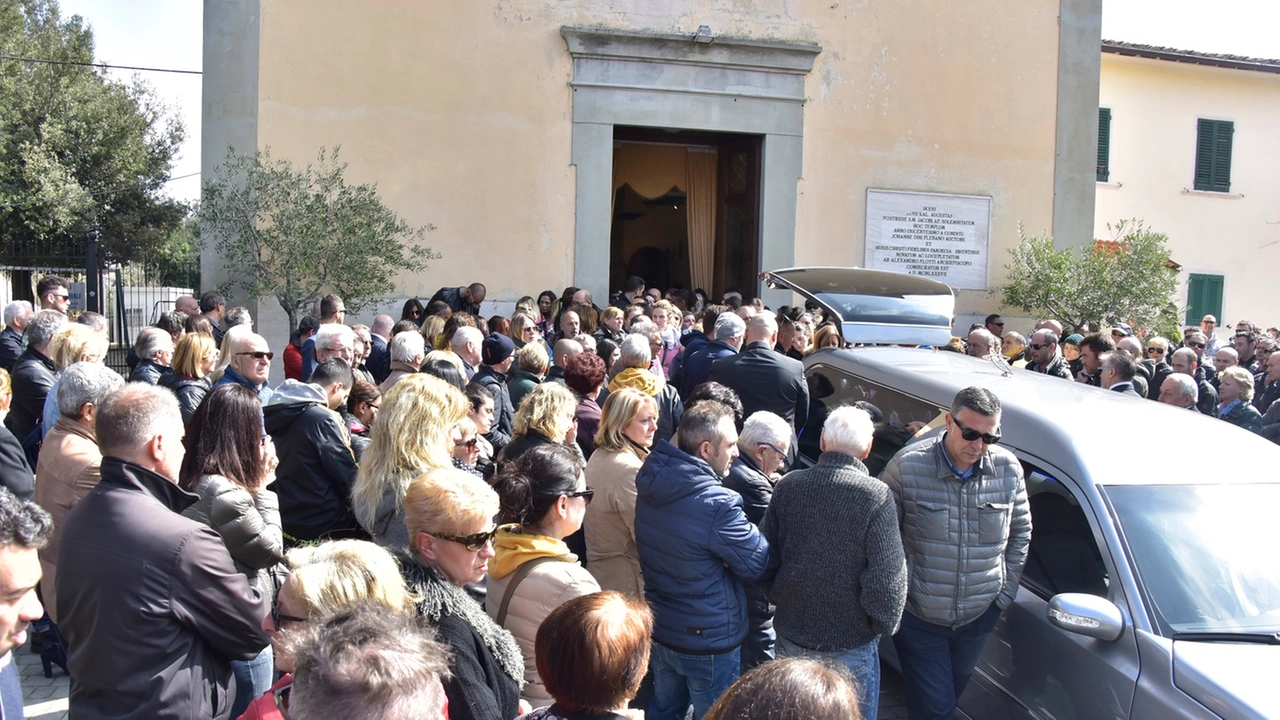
{"x":836,"y":568}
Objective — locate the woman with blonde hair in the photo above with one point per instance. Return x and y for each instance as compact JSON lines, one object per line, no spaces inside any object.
{"x":524,"y":329}
{"x":449,"y":516}
{"x":414,"y":434}
{"x":193,"y":360}
{"x":627,"y":426}
{"x":1235,"y":390}
{"x":827,"y":336}
{"x":432,"y":332}
{"x":72,"y":344}
{"x":324,"y":579}
{"x":548,"y":415}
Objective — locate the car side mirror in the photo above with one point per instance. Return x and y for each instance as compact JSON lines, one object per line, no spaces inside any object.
{"x":1086,"y":614}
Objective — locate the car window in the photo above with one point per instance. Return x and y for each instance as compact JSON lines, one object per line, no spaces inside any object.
{"x":897,"y":416}
{"x":1063,"y":556}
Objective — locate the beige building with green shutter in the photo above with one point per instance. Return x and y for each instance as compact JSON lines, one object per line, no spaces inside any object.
{"x":696,"y":142}
{"x":1189,"y":142}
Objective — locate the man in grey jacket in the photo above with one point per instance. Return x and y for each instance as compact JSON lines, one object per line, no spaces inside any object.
{"x":962,"y":506}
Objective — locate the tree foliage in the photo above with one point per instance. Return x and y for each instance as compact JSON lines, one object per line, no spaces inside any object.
{"x":1124,"y":280}
{"x":296,"y":234}
{"x":78,"y":150}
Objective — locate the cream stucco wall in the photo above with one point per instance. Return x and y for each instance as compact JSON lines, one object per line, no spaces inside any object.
{"x":461,"y":112}
{"x":1154,"y":107}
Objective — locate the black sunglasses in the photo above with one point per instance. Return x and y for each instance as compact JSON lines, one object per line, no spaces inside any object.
{"x":467,"y":443}
{"x":970,"y":434}
{"x":474,"y":541}
{"x":259,"y":355}
{"x":584,"y":494}
{"x":1156,"y":350}
{"x":1195,"y":344}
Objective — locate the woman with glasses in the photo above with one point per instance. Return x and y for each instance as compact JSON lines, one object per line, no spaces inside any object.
{"x":323,"y":580}
{"x":228,"y":464}
{"x":413,"y":434}
{"x":466,"y":449}
{"x":412,"y":311}
{"x":193,"y":360}
{"x":627,"y":426}
{"x":544,"y":497}
{"x":361,"y":410}
{"x":449,"y":517}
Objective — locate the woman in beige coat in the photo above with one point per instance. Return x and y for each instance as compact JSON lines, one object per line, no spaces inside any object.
{"x":544,"y":496}
{"x":627,"y":426}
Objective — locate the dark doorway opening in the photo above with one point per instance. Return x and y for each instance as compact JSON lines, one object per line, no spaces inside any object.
{"x":650,"y":233}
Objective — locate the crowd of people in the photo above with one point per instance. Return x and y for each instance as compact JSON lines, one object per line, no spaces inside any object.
{"x":1237,"y":382}
{"x":571,"y":512}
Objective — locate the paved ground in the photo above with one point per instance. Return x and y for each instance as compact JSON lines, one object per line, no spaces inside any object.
{"x":46,"y":699}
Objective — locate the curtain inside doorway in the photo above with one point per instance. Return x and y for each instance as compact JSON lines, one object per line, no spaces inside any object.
{"x":700,"y":212}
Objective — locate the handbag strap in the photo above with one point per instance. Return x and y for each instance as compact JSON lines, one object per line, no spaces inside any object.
{"x":519,"y":575}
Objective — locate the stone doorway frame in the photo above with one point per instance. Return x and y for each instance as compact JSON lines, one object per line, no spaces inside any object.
{"x":728,"y":85}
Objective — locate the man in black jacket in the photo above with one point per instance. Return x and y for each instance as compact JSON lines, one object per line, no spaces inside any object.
{"x":152,"y":607}
{"x":1185,"y":361}
{"x":765,"y":379}
{"x":762,"y":450}
{"x":317,"y":468}
{"x":33,"y":374}
{"x":497,"y":352}
{"x":1117,"y":371}
{"x":17,"y":315}
{"x":1046,"y":356}
{"x":155,"y":352}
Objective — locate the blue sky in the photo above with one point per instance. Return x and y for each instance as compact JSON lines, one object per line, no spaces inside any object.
{"x":167,"y":33}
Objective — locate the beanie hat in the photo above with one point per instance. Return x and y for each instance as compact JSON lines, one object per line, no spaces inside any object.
{"x":1073,"y":339}
{"x":496,"y":348}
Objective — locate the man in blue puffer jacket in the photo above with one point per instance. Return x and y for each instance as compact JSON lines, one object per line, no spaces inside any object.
{"x":696,"y":549}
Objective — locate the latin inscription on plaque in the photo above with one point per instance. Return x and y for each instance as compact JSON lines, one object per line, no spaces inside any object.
{"x":944,"y":237}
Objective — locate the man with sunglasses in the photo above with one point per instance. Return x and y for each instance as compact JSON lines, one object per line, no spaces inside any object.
{"x":962,"y":508}
{"x":249,"y":365}
{"x":1046,"y":357}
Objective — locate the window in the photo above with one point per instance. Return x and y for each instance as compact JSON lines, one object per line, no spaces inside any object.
{"x":1104,"y":144}
{"x":1063,"y":556}
{"x":1213,"y":155}
{"x":830,"y":388}
{"x":1204,"y":297}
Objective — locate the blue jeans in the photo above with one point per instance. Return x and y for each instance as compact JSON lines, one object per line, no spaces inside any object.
{"x":680,"y":679}
{"x":863,"y":662}
{"x":937,"y":662}
{"x":757,"y":648}
{"x":253,"y":678}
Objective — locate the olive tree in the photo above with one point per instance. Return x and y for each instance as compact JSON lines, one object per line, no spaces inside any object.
{"x":1126,"y":279}
{"x":298,"y":233}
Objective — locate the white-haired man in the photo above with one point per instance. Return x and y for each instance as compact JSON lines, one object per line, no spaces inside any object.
{"x":33,"y":374}
{"x":837,"y":572}
{"x":465,"y":344}
{"x":408,"y":350}
{"x":763,"y":445}
{"x":174,"y":629}
{"x":16,"y":316}
{"x":154,"y":348}
{"x":249,"y":364}
{"x":333,"y":340}
{"x":1180,"y":391}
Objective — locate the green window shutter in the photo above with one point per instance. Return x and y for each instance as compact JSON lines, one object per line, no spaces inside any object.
{"x":1204,"y":297}
{"x":1213,"y":155}
{"x":1104,"y":144}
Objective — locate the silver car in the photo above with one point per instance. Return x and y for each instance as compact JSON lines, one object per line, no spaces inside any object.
{"x":1152,"y":587}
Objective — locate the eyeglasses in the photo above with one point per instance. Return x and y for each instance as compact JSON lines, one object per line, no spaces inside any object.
{"x":278,"y":617}
{"x":372,"y":406}
{"x":774,"y":448}
{"x":1038,"y":346}
{"x":259,"y":355}
{"x":1104,"y":368}
{"x":1158,"y":351}
{"x":1195,"y":344}
{"x":586,"y":495}
{"x":469,"y":444}
{"x":474,"y":541}
{"x":969,"y":434}
{"x":62,"y":297}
